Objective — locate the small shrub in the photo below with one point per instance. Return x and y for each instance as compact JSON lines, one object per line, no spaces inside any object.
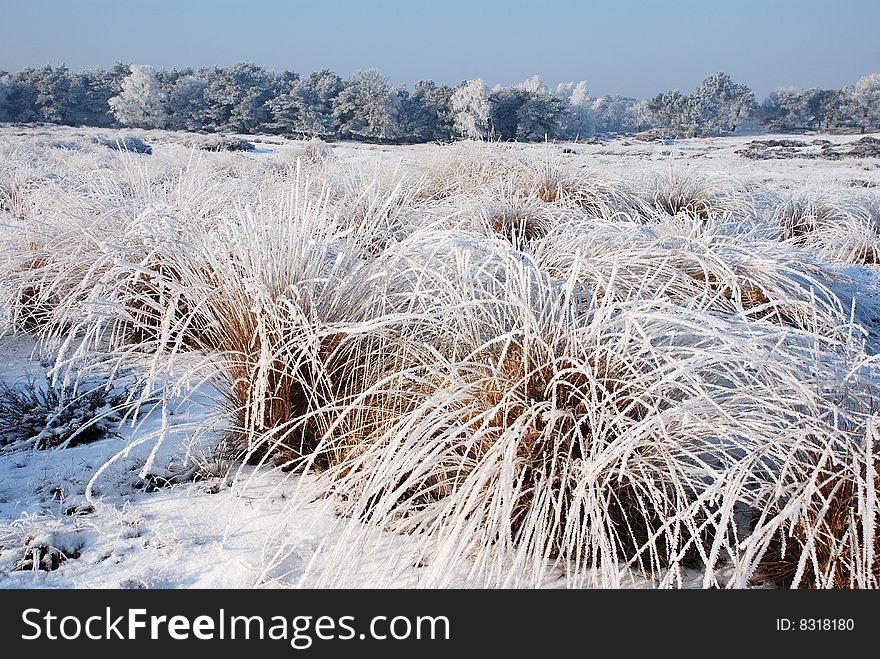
{"x":42,"y":549}
{"x":129,"y":144}
{"x":473,"y":168}
{"x":867,"y":147}
{"x":519,"y":225}
{"x":516,"y":217}
{"x":52,"y":415}
{"x":224,"y":143}
{"x":829,"y":225}
{"x":794,"y":144}
{"x":213,"y":464}
{"x":591,"y":192}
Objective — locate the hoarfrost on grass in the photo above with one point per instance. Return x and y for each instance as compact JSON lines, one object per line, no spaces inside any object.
{"x":481,"y":364}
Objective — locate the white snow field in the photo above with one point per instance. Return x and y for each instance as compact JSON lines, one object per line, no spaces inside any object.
{"x":615,"y":364}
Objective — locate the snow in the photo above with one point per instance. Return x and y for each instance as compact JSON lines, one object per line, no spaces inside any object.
{"x":125,"y":536}
{"x":204,"y":532}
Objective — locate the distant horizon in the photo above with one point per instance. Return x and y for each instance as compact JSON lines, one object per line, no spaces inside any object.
{"x":634,"y":49}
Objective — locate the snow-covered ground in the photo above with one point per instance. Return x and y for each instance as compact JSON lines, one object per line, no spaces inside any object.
{"x":154,"y":504}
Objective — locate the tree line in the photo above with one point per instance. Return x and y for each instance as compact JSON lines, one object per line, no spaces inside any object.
{"x":245,"y":98}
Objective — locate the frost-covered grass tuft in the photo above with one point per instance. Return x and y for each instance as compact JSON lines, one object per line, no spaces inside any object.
{"x":844,"y":228}
{"x":699,"y":196}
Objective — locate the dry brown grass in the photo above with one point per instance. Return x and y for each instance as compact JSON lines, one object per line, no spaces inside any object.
{"x":472,"y":169}
{"x":158,"y":311}
{"x":509,"y":385}
{"x":585,"y":191}
{"x":749,"y":296}
{"x":841,"y":228}
{"x":36,"y":298}
{"x":271,"y":393}
{"x":831,"y":531}
{"x":520,"y":224}
{"x":798,"y":218}
{"x":14,"y":200}
{"x":680,"y":201}
{"x":865,"y":254}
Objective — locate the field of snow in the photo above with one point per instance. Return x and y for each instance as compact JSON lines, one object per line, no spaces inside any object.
{"x":615,"y":364}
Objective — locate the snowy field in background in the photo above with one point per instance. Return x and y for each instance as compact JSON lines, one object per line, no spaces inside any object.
{"x":176,"y":517}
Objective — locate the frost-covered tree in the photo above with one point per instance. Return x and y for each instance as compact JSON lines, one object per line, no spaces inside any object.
{"x":788,"y":108}
{"x":318,"y":92}
{"x":141,"y":101}
{"x":287,"y":109}
{"x":470,"y":109}
{"x":719,"y":104}
{"x":539,"y":118}
{"x":533,"y":85}
{"x":169,"y":77}
{"x":44,"y":94}
{"x":305,"y":106}
{"x":21,"y":96}
{"x":608,"y":114}
{"x":187,"y":108}
{"x":5,"y":89}
{"x":237,"y":97}
{"x":97,"y":87}
{"x":578,"y":119}
{"x":58,"y":96}
{"x":504,"y":107}
{"x":716,"y":106}
{"x":793,"y":109}
{"x":425,"y":114}
{"x":781,"y":110}
{"x":367,"y":107}
{"x":541,"y":115}
{"x":572,"y":93}
{"x":861,"y":102}
{"x":832,"y":107}
{"x":613,"y":114}
{"x":673,"y":113}
{"x":639,"y":115}
{"x":525,"y":112}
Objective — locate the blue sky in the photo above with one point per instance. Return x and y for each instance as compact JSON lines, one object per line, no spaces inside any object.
{"x":618,"y":46}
